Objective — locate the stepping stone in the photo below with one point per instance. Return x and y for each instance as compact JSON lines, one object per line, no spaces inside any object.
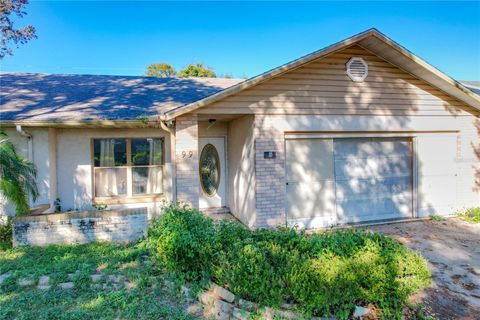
{"x":130,"y":285}
{"x":194,"y":308}
{"x":43,"y":283}
{"x":66,"y":285}
{"x":116,"y":279}
{"x":223,"y":293}
{"x":72,"y":275}
{"x":361,"y":312}
{"x":241,"y":314}
{"x":43,"y":280}
{"x":96,"y":277}
{"x":5,"y":276}
{"x":24,"y":282}
{"x":247,"y":305}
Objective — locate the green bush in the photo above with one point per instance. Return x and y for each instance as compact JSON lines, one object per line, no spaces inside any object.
{"x":323,"y":274}
{"x":6,"y":235}
{"x":183,"y":240}
{"x":471,"y":215}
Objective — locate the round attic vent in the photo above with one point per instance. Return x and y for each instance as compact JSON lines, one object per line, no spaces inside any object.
{"x":357,"y":69}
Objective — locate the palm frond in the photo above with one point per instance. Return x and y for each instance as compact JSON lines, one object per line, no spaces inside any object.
{"x":17,"y":176}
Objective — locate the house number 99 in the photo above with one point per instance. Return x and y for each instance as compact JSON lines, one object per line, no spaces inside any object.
{"x":186,"y":154}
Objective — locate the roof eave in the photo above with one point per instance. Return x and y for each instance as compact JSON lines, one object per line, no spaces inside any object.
{"x":469,"y":97}
{"x":82,"y":123}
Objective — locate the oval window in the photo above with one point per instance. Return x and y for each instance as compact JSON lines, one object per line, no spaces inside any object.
{"x":209,"y":169}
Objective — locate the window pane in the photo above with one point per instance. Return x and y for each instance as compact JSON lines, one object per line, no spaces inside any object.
{"x":110,"y":182}
{"x":109,"y":152}
{"x":209,"y":169}
{"x":147,"y":180}
{"x":147,"y":151}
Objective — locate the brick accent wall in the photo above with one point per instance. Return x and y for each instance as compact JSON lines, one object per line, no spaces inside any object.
{"x":80,"y":227}
{"x":270,"y":174}
{"x":186,"y":156}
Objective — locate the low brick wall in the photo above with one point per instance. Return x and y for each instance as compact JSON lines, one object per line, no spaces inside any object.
{"x":80,"y":227}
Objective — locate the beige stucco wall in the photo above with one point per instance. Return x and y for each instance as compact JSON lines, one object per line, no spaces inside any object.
{"x":216,"y":129}
{"x":241,"y":170}
{"x":74,"y":166}
{"x":40,"y":159}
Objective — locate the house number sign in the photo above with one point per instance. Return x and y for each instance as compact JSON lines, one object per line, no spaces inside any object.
{"x":187,"y":154}
{"x":269,"y":155}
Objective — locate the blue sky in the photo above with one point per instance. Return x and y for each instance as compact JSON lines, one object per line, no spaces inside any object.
{"x":243,"y":39}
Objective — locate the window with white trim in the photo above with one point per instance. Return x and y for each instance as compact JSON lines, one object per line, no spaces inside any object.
{"x":128,"y":167}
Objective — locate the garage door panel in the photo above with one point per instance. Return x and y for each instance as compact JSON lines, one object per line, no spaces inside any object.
{"x":308,"y":200}
{"x":365,"y":147}
{"x":372,"y":188}
{"x":373,"y":178}
{"x":369,"y":179}
{"x":309,"y":160}
{"x":365,"y":210}
{"x":354,"y":210}
{"x":393,"y":166}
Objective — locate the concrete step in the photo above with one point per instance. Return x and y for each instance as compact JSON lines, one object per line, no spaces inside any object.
{"x":218,"y":213}
{"x":220,"y":210}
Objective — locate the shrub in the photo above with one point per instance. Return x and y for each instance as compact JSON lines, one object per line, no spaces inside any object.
{"x":470,"y":215}
{"x":183,"y":240}
{"x":436,"y":217}
{"x":323,"y":274}
{"x":6,"y":235}
{"x":362,"y":268}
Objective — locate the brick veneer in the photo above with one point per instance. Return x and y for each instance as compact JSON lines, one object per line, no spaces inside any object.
{"x":270,"y":174}
{"x":80,"y":227}
{"x":186,"y":156}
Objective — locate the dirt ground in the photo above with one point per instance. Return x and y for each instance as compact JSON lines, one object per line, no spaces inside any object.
{"x":452,"y":248}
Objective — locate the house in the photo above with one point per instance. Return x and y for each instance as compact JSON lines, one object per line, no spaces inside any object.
{"x":360,"y":131}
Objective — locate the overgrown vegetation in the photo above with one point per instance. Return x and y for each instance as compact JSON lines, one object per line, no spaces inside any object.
{"x":323,"y":274}
{"x":17,"y":176}
{"x":436,"y":217}
{"x":6,"y":235}
{"x":471,"y":215}
{"x":148,"y":296}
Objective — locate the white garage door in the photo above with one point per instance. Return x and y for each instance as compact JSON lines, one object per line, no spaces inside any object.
{"x":333,"y":181}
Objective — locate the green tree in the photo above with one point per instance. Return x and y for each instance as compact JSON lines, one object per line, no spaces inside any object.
{"x":12,"y":36}
{"x":197,"y":70}
{"x":17,"y":176}
{"x":161,"y":70}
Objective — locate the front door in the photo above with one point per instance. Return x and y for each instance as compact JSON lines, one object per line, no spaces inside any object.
{"x":212,"y":173}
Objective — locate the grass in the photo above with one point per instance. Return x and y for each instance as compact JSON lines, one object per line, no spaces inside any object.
{"x":471,"y":215}
{"x":322,"y":274}
{"x":435,"y":217}
{"x":148,"y":298}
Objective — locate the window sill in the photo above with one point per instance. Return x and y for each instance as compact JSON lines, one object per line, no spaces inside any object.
{"x":128,"y":200}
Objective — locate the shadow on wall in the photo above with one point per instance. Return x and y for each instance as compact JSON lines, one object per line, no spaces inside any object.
{"x":82,"y":180}
{"x":37,"y":97}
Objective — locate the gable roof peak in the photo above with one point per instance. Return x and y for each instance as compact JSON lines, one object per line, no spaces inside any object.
{"x":372,"y":40}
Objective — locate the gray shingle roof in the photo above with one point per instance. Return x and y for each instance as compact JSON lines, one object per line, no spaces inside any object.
{"x":472,"y":85}
{"x":63,"y":97}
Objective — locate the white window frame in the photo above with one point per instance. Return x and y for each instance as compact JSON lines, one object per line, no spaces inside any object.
{"x":129,"y":197}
